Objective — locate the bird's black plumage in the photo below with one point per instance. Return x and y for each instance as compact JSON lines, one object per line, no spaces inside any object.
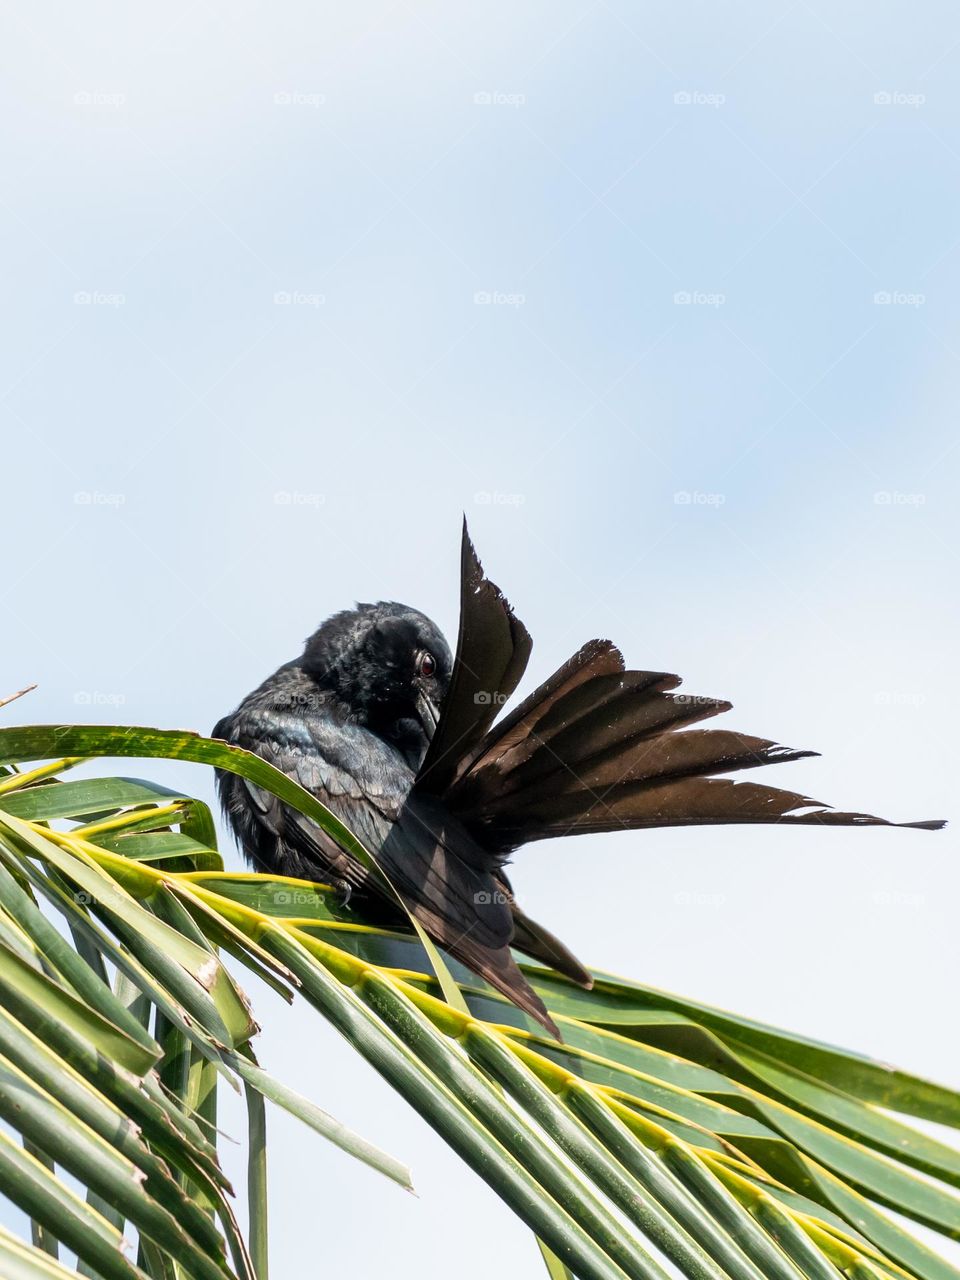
{"x":442,"y":799}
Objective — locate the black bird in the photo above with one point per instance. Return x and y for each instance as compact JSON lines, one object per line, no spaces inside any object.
{"x":398,"y":739}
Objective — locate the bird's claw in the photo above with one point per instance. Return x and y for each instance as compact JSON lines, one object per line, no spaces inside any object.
{"x":344,"y":892}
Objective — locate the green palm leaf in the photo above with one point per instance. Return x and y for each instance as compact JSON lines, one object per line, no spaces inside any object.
{"x":660,"y":1132}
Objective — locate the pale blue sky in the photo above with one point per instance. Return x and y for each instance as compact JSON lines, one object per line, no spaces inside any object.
{"x":247,"y":377}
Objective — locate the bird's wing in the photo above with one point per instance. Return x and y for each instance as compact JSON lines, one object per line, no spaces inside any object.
{"x":273,"y":834}
{"x":596,"y":748}
{"x":443,"y":876}
{"x":493,"y":647}
{"x":453,"y":889}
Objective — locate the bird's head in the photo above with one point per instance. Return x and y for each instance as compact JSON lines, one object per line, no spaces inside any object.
{"x":389,"y":664}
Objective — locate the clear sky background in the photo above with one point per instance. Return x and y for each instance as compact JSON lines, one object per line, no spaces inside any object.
{"x":665,"y":297}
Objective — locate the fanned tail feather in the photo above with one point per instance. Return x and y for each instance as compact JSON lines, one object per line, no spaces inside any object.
{"x":493,"y":647}
{"x":594,"y":748}
{"x":597,"y":748}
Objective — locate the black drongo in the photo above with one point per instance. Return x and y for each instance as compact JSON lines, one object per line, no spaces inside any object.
{"x":406,"y":745}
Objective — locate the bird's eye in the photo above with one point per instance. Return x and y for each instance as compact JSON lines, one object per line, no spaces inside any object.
{"x":426,"y":664}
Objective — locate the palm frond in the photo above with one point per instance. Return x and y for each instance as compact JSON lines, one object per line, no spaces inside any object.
{"x":660,"y":1132}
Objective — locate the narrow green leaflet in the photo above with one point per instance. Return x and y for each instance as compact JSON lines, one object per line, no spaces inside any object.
{"x":34,"y":995}
{"x":19,"y":1261}
{"x":81,"y":797}
{"x":319,"y":1120}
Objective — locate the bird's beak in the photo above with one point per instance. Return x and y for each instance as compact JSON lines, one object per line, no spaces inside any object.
{"x":429,"y":714}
